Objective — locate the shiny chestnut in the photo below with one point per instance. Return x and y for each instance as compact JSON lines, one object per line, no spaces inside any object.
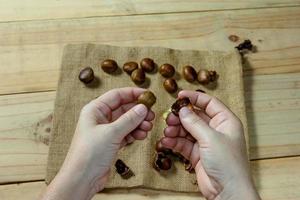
{"x":123,"y":169}
{"x":138,"y":76}
{"x":167,"y":70}
{"x":147,"y":98}
{"x":109,"y":66}
{"x":180,"y":103}
{"x":189,"y":73}
{"x":147,"y":64}
{"x":170,"y":85}
{"x":129,"y":67}
{"x":86,"y":75}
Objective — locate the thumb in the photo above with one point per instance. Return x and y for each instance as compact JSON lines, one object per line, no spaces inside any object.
{"x":198,"y":128}
{"x":129,"y":120}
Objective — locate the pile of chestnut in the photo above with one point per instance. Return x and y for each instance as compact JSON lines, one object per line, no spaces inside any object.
{"x":138,"y":76}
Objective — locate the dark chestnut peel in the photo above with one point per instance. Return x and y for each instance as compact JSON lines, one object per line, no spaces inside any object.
{"x":109,"y":66}
{"x":189,"y":73}
{"x":86,"y":75}
{"x":123,"y":169}
{"x":167,"y":70}
{"x":170,"y":85}
{"x":147,"y":64}
{"x":180,"y":103}
{"x":129,"y":67}
{"x":147,"y":98}
{"x":246,"y":45}
{"x":162,"y":162}
{"x":138,"y":76}
{"x":199,"y":90}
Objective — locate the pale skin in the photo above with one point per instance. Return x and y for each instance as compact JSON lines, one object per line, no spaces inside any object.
{"x":212,"y":139}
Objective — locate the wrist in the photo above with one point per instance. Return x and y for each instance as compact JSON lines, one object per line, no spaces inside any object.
{"x":240,"y":189}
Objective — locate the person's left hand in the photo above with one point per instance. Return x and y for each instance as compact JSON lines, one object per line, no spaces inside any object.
{"x":105,"y":125}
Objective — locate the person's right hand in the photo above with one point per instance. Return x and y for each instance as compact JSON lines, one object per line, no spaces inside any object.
{"x":217,"y":148}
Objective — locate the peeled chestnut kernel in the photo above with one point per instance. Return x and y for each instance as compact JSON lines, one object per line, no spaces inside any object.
{"x":147,"y":98}
{"x":162,"y":162}
{"x":160,"y":148}
{"x":170,"y":85}
{"x":147,"y":64}
{"x":167,"y":70}
{"x":109,"y":66}
{"x":138,"y":76}
{"x":123,"y":169}
{"x":189,"y":73}
{"x":129,"y":67}
{"x":203,"y":76}
{"x":86,"y":75}
{"x":180,"y":103}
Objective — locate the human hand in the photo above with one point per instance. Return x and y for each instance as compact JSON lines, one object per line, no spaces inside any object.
{"x":105,"y":125}
{"x":217,"y":148}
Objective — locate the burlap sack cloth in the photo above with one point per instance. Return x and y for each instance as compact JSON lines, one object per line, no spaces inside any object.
{"x":72,"y":95}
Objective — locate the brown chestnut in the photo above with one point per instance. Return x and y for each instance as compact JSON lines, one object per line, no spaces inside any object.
{"x":180,"y":103}
{"x":123,"y":169}
{"x":189,"y":73}
{"x":86,"y":75}
{"x":203,"y":76}
{"x":147,"y":98}
{"x":162,"y":162}
{"x":167,"y":70}
{"x":147,"y":64}
{"x":138,"y":76}
{"x":170,"y":85}
{"x":129,"y":67}
{"x":109,"y":66}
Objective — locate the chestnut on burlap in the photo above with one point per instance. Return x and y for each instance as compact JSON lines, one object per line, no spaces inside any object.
{"x":72,"y":95}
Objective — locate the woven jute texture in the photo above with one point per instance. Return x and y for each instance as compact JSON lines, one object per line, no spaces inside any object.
{"x":72,"y":95}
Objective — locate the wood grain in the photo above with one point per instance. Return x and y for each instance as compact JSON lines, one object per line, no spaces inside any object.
{"x":272,"y":104}
{"x":31,"y":51}
{"x":36,"y":10}
{"x":271,"y":179}
{"x":23,"y":153}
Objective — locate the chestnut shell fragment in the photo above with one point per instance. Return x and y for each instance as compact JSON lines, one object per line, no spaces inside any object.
{"x":123,"y":169}
{"x":162,"y":162}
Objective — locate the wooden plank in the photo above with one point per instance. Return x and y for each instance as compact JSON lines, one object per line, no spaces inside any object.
{"x":36,"y":10}
{"x":23,"y":153}
{"x":272,"y":102}
{"x":30,"y":52}
{"x":275,"y":179}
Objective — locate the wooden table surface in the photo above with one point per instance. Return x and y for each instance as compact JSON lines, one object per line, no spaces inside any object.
{"x":34,"y":32}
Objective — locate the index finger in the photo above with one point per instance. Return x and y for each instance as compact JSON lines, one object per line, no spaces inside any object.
{"x":211,"y":105}
{"x":117,"y":97}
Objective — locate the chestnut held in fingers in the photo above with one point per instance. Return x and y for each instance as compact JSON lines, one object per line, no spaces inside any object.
{"x":86,"y":75}
{"x":138,"y":76}
{"x":123,"y":169}
{"x":147,"y":64}
{"x":147,"y":98}
{"x":170,"y":85}
{"x":180,"y":103}
{"x":109,"y":66}
{"x":162,"y":162}
{"x":167,"y":70}
{"x":129,"y":67}
{"x":189,"y":73}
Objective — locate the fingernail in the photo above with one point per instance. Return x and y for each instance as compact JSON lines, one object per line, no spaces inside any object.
{"x":141,"y":110}
{"x":184,"y":111}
